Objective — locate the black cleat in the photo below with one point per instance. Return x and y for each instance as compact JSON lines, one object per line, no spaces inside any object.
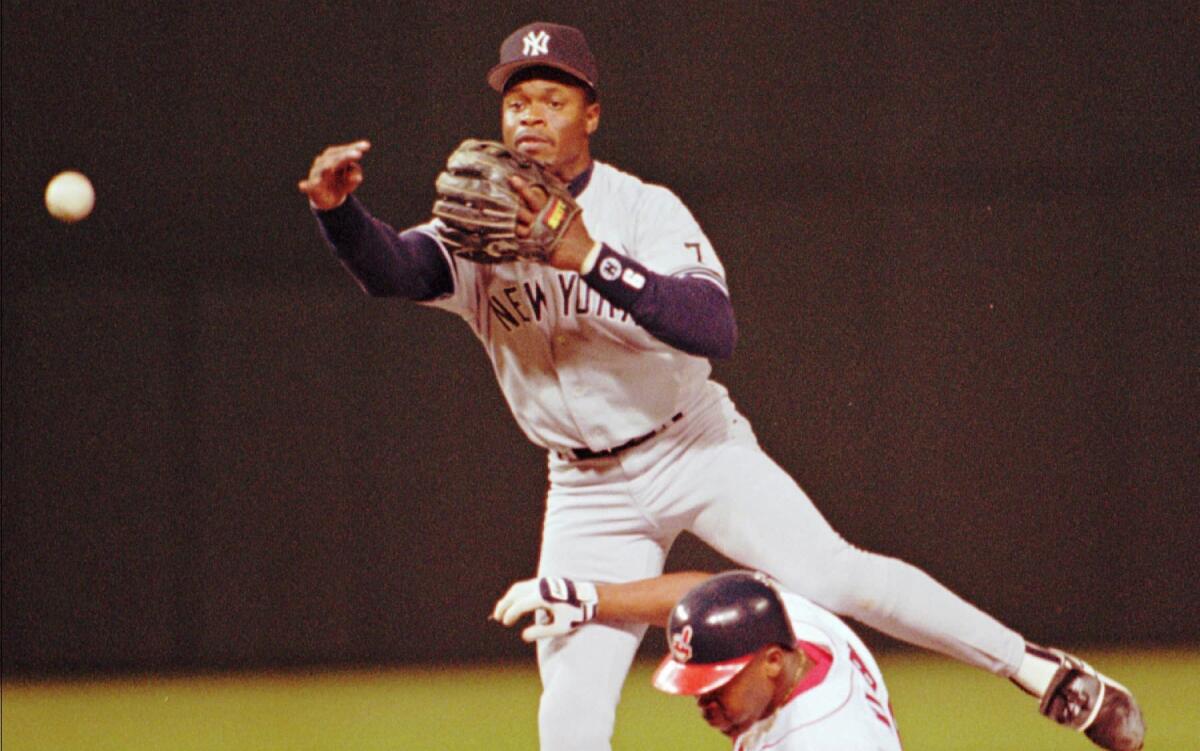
{"x":1094,"y":704}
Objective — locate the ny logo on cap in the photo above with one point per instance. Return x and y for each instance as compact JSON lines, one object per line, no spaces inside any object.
{"x":536,"y":43}
{"x":681,"y":644}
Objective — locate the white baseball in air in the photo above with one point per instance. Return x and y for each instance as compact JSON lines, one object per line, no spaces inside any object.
{"x":69,"y":196}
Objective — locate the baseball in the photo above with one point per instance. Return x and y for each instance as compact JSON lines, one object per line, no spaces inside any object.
{"x":69,"y":196}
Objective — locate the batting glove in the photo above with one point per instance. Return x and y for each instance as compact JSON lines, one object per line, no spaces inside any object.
{"x":559,"y":606}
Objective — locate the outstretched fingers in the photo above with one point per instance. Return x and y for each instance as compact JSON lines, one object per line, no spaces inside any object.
{"x":335,"y":173}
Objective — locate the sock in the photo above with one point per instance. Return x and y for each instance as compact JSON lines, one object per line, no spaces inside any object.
{"x":1038,"y":667}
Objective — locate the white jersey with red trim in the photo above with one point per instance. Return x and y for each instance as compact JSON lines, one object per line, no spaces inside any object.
{"x":847,"y":710}
{"x":576,"y":371}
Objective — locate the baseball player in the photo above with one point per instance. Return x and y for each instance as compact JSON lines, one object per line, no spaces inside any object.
{"x":769,"y":668}
{"x":602,"y":352}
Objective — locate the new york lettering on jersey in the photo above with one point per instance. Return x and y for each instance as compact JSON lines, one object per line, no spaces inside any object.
{"x":525,"y":300}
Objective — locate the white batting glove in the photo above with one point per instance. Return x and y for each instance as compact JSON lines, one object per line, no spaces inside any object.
{"x":559,"y":606}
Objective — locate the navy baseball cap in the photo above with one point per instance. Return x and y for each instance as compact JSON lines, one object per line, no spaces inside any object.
{"x":716,"y":630}
{"x":545,"y":44}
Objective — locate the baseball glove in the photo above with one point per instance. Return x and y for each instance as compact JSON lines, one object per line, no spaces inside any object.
{"x":478,"y":206}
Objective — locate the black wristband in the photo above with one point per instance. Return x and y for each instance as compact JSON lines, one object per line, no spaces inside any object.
{"x":618,"y":278}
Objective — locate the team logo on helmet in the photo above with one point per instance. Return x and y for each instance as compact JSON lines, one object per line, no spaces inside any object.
{"x":536,"y":43}
{"x":681,"y":644}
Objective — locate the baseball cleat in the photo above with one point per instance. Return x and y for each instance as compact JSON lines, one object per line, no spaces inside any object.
{"x":1083,"y":699}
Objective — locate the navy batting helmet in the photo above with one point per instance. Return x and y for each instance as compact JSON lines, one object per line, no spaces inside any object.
{"x":717,"y":629}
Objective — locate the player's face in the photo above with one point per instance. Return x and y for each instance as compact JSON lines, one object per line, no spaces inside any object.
{"x":550,"y":122}
{"x":745,"y":700}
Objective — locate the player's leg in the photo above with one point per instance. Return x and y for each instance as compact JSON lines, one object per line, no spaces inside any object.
{"x":776,"y":528}
{"x":760,"y":517}
{"x":591,"y":533}
{"x":756,"y":514}
{"x":582,"y":675}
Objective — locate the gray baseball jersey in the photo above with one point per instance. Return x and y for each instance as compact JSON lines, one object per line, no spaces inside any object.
{"x":577,"y":371}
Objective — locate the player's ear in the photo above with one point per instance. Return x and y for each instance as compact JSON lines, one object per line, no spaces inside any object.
{"x":772,"y":657}
{"x":591,"y":117}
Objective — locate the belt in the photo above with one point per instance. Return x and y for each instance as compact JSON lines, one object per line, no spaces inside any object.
{"x":584,"y":454}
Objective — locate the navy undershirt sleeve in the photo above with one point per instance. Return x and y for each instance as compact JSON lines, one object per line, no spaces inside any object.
{"x":689,"y":313}
{"x":386,"y":263}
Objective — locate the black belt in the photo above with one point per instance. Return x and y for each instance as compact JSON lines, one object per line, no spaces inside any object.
{"x":584,"y":454}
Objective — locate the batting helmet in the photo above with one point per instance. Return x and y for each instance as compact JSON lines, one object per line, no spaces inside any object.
{"x":717,"y":629}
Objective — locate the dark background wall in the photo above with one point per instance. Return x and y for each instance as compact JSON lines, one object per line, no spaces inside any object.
{"x":961,"y":242}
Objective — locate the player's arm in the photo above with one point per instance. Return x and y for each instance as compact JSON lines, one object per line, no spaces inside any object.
{"x":645,"y":601}
{"x":408,"y":264}
{"x":562,"y":605}
{"x":690,"y":313}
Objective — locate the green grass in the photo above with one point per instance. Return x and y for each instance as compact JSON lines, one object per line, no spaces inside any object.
{"x":939,"y":705}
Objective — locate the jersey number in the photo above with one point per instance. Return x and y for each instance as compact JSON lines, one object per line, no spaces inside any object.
{"x":882,"y":713}
{"x":695,"y":247}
